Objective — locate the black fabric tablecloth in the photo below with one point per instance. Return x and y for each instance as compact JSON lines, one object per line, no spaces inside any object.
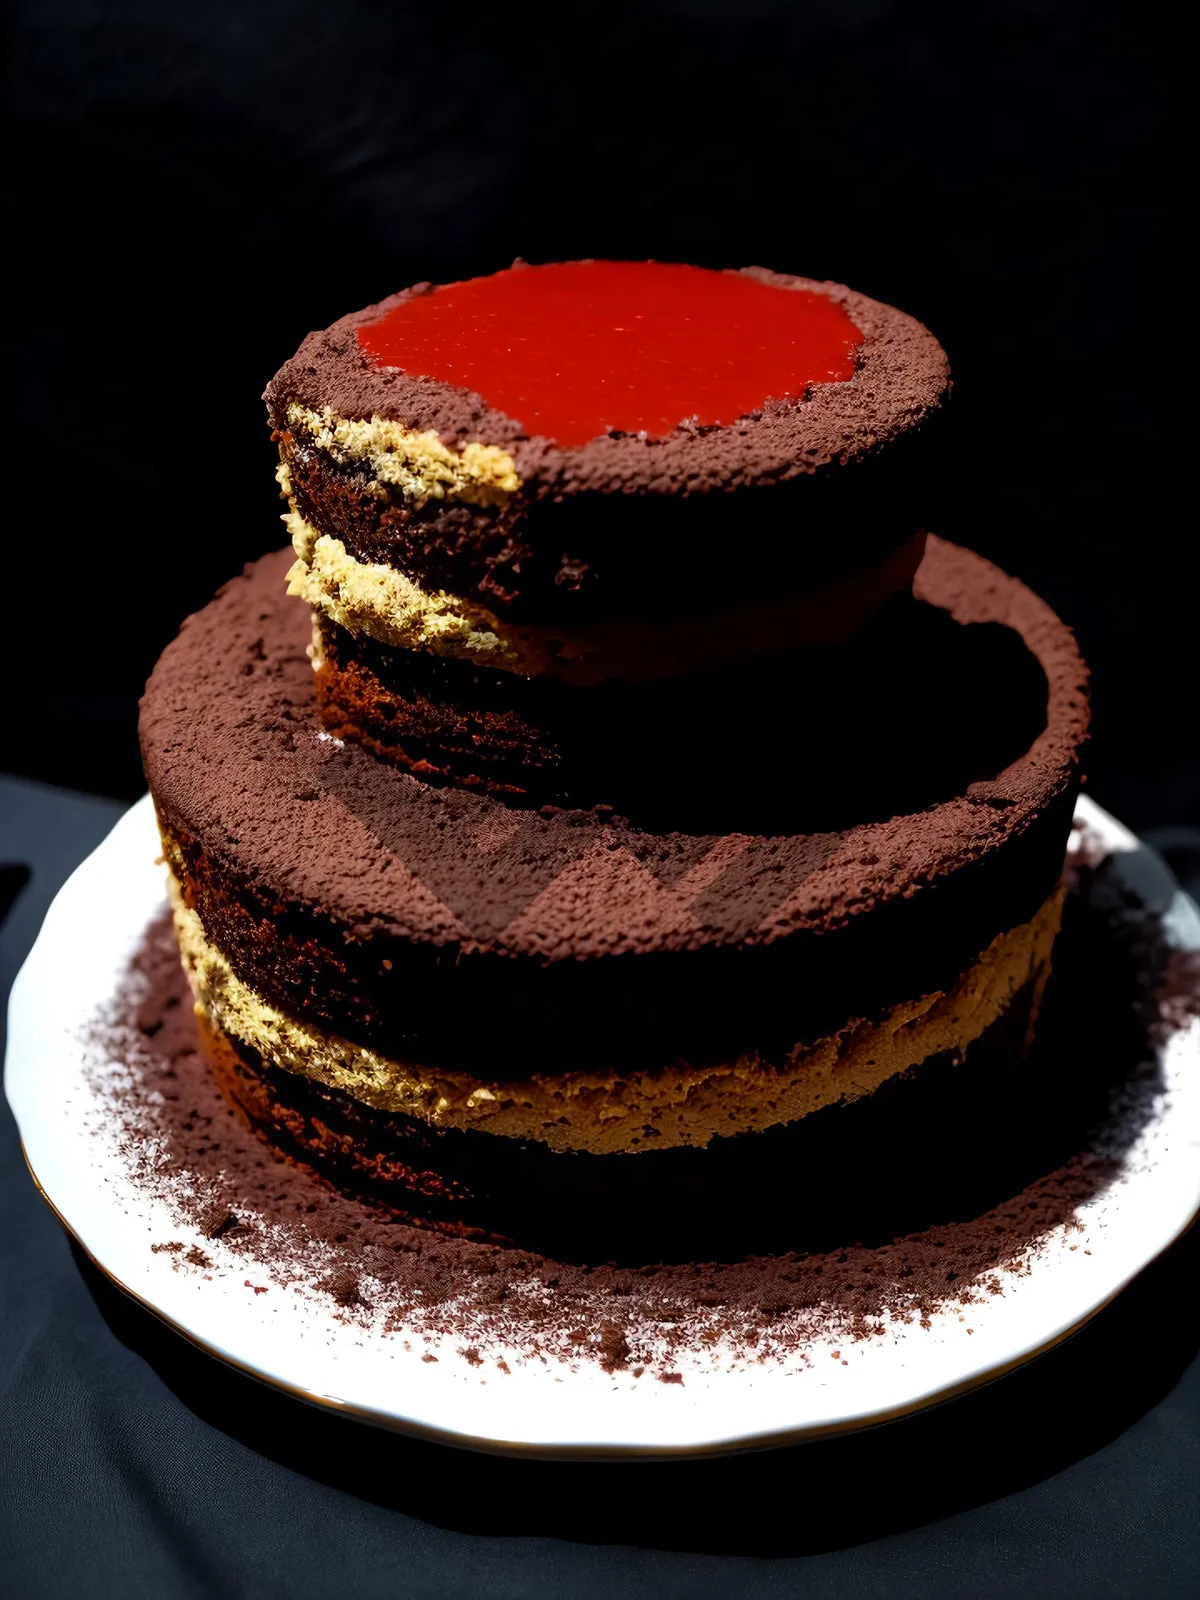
{"x":131,"y":1464}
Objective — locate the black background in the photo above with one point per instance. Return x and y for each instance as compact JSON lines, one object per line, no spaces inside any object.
{"x":199,"y":185}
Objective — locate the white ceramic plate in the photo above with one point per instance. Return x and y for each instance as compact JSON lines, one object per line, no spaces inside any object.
{"x":299,"y":1344}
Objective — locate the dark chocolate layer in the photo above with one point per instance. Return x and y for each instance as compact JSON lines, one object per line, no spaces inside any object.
{"x":789,"y":1187}
{"x":445,"y":721}
{"x":787,"y":498}
{"x":440,"y":925}
{"x":803,"y":741}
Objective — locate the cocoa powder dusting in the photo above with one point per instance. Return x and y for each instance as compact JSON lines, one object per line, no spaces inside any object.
{"x":181,"y":1143}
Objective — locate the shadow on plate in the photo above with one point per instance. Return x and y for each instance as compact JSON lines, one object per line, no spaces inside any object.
{"x":802,"y":1500}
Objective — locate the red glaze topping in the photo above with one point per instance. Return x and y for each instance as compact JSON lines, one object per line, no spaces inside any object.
{"x":575,"y":349}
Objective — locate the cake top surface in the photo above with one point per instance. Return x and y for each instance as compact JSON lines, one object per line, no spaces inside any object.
{"x":578,"y":349}
{"x":235,"y":758}
{"x":628,"y":376}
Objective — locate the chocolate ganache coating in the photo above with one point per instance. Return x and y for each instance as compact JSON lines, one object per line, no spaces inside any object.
{"x":440,"y":925}
{"x":787,"y":497}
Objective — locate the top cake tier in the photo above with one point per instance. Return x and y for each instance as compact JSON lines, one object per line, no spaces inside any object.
{"x":494,"y":470}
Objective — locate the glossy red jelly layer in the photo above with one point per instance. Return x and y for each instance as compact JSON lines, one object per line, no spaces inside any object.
{"x":578,"y":348}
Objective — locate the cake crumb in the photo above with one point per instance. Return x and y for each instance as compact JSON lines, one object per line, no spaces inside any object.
{"x":344,"y":1286}
{"x":613,"y":1347}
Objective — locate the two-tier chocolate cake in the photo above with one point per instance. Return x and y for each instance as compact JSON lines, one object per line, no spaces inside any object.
{"x":617,"y":816}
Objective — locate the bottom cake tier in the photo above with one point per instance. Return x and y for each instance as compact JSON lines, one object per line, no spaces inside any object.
{"x":837,"y":1138}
